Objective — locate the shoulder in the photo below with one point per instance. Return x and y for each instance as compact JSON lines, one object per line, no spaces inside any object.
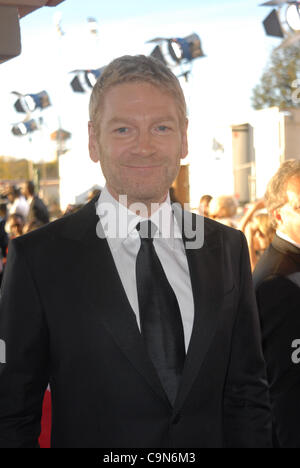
{"x":70,"y":227}
{"x":213,"y":233}
{"x":227,"y":231}
{"x":273,"y":266}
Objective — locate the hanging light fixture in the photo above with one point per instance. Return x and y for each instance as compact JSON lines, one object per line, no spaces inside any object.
{"x":30,"y":102}
{"x":84,"y":80}
{"x":23,"y":128}
{"x":283,"y":23}
{"x":272,"y":25}
{"x":175,"y":51}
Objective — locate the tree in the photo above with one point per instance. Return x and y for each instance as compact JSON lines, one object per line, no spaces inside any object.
{"x":280,"y":80}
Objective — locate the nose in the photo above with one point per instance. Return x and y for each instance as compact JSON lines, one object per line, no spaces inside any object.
{"x":143,"y":143}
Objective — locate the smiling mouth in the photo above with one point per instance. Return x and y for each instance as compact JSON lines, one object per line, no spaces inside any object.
{"x":142,"y":167}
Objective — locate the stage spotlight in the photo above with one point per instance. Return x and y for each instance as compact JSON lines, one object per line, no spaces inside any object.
{"x":20,"y":105}
{"x":91,"y":76}
{"x":284,"y":21}
{"x":175,"y":51}
{"x":187,"y":48}
{"x":23,"y":128}
{"x":31,"y":102}
{"x":293,"y":17}
{"x":78,"y":83}
{"x":273,"y":26}
{"x":84,"y":80}
{"x":158,"y":55}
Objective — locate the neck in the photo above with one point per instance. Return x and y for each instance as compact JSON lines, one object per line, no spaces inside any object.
{"x":143,"y":208}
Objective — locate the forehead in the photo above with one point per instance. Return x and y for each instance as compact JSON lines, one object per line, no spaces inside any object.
{"x":128,"y":99}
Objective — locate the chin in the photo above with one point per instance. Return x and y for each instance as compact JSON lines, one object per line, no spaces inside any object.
{"x":146,"y":197}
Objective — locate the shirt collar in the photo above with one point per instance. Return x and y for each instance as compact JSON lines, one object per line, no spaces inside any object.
{"x":287,"y":238}
{"x":119,"y":223}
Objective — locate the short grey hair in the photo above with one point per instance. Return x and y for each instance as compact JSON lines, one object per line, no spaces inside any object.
{"x":276,"y":194}
{"x":137,"y":68}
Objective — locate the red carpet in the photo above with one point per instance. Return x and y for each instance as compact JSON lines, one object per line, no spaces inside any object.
{"x":44,"y":439}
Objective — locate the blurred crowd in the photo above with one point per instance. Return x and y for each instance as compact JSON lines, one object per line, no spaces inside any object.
{"x":252,"y":219}
{"x":22,"y":211}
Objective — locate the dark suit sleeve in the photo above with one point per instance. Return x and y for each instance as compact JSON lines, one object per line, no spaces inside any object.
{"x":247,"y":417}
{"x":279,"y":306}
{"x":3,"y":239}
{"x":24,"y":372}
{"x":38,"y":211}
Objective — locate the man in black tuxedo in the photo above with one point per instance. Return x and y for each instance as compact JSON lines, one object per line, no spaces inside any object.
{"x":148,"y":333}
{"x":277,"y":283}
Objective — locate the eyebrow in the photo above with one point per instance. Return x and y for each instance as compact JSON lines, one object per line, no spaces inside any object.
{"x":117,"y":120}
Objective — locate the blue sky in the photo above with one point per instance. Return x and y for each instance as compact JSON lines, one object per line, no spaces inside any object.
{"x":115,"y":10}
{"x":220,"y":85}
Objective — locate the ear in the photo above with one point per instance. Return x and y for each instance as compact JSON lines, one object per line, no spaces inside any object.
{"x":184,"y":145}
{"x":93,"y":146}
{"x":278,"y":217}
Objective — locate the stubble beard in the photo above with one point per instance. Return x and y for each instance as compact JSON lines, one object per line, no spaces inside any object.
{"x":137,"y":191}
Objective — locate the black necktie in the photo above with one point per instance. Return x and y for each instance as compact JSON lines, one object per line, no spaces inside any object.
{"x":161,"y":323}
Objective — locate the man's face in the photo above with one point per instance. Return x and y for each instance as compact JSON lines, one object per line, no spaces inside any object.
{"x":24,"y":190}
{"x":289,"y":214}
{"x":140,"y":142}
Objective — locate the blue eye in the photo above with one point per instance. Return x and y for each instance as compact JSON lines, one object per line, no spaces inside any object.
{"x":122,"y":130}
{"x":162,"y":129}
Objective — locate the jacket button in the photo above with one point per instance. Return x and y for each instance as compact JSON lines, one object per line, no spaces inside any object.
{"x":176,"y":419}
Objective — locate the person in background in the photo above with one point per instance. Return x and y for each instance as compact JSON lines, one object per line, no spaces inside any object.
{"x":3,"y":233}
{"x":277,"y":284}
{"x":3,"y":239}
{"x":258,"y":230}
{"x":14,"y":226}
{"x":18,"y":203}
{"x":224,"y":209}
{"x":94,"y":193}
{"x":37,"y":208}
{"x":204,"y":205}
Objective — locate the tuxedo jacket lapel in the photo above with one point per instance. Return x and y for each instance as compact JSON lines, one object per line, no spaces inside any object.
{"x":208,"y":285}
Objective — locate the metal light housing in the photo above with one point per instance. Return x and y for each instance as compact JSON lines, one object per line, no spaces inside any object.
{"x":175,"y":51}
{"x":23,"y":128}
{"x":84,"y":80}
{"x":30,"y":102}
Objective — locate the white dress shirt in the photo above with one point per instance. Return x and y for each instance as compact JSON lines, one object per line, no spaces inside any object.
{"x":119,"y":225}
{"x":19,"y":206}
{"x":287,"y":238}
